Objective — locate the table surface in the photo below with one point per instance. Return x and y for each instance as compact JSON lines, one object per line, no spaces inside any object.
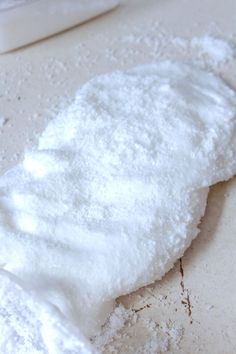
{"x":37,"y":81}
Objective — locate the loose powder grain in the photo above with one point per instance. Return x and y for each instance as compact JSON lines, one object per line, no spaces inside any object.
{"x":3,"y":121}
{"x":111,"y":197}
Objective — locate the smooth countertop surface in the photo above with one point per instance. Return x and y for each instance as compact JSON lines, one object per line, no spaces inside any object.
{"x":198,"y":294}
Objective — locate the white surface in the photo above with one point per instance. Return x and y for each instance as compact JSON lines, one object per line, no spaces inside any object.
{"x":31,"y":21}
{"x":34,"y":79}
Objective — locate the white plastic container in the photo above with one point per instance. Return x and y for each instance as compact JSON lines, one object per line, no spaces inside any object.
{"x":26,"y":21}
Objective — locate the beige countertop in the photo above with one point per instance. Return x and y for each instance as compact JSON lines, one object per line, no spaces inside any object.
{"x":199,"y":297}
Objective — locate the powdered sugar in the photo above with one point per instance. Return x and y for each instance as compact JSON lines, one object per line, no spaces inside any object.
{"x":120,"y":176}
{"x":29,"y":325}
{"x":153,"y":41}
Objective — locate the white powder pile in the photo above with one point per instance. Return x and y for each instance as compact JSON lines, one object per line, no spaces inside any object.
{"x":114,"y":192}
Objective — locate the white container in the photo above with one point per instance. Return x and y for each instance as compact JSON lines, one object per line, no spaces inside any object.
{"x":26,"y":21}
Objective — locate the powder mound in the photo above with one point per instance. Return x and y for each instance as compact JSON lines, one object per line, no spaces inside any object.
{"x":114,"y":192}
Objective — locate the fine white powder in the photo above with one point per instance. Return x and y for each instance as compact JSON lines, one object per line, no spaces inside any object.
{"x":30,"y":326}
{"x":217,"y":50}
{"x":114,"y":193}
{"x":159,"y":337}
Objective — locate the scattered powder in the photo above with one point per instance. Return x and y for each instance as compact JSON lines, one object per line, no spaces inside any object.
{"x":159,"y":338}
{"x":218,"y":50}
{"x":121,"y":175}
{"x":118,"y":319}
{"x":153,"y":41}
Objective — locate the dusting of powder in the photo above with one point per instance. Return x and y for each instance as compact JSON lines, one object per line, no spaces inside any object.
{"x":157,"y":337}
{"x":152,"y":41}
{"x":217,"y":50}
